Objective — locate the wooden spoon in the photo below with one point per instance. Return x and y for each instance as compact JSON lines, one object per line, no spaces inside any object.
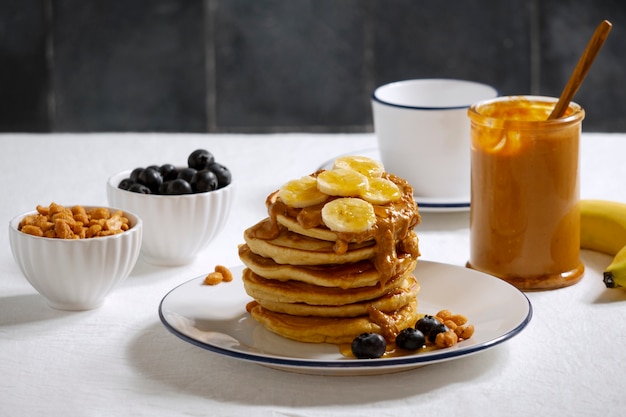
{"x":584,"y":63}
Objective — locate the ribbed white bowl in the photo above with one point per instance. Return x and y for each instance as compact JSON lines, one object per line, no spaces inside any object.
{"x":76,"y":274}
{"x":176,"y":227}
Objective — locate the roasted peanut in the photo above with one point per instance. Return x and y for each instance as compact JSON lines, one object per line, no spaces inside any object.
{"x":446,"y":339}
{"x":465,"y":331}
{"x":228,"y":276}
{"x":213,"y":278}
{"x":443,"y":315}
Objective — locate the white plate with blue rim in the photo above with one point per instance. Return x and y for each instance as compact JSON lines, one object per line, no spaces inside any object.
{"x":425,"y":204}
{"x":215,"y":318}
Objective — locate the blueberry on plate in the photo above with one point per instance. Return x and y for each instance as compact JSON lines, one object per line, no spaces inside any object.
{"x":426,"y":323}
{"x":410,"y":339}
{"x":368,"y":346}
{"x":439,"y":328}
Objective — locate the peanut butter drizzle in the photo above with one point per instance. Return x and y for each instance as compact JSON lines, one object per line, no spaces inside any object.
{"x":386,"y":323}
{"x":392,"y":232}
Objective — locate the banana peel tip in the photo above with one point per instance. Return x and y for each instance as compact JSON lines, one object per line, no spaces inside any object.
{"x":609,"y":281}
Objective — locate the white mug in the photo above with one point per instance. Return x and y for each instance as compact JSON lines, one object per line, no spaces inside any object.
{"x":423,"y":134}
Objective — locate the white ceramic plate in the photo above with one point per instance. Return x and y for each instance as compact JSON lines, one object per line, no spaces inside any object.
{"x":426,"y":204}
{"x":214,"y":318}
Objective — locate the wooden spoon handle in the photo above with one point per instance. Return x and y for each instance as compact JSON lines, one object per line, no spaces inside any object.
{"x":584,"y":63}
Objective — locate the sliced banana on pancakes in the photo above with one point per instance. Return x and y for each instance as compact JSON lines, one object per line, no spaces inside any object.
{"x":342,"y":182}
{"x":381,"y":191}
{"x":351,"y":215}
{"x":302,"y":192}
{"x":362,"y":164}
{"x":357,"y":181}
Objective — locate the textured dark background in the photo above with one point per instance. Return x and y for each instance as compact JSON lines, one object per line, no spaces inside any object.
{"x":286,"y":65}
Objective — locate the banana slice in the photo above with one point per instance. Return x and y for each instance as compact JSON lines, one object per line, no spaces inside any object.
{"x":381,"y":191}
{"x":301,"y":193}
{"x":351,"y":215}
{"x":342,"y":182}
{"x":362,"y":164}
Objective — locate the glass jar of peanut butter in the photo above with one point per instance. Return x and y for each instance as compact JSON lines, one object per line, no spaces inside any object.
{"x":524,"y":215}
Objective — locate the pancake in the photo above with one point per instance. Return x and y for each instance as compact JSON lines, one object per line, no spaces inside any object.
{"x":349,"y":275}
{"x":330,"y":329}
{"x":388,"y":303}
{"x":314,"y":232}
{"x":294,"y":249}
{"x":298,"y":292}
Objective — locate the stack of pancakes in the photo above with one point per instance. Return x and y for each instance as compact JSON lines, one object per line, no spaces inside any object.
{"x":313,"y":284}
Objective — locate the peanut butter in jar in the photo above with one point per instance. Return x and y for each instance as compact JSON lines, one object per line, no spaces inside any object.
{"x":524,"y":216}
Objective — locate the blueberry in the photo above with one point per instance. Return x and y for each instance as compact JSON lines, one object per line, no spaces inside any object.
{"x":163,"y":187}
{"x":410,"y":339}
{"x":439,"y":328}
{"x":222,"y":173}
{"x":200,"y":159}
{"x":135,"y":174}
{"x":368,"y":346}
{"x":168,"y":172}
{"x":179,"y":186}
{"x":151,"y":178}
{"x":125,"y":184}
{"x":186,"y":174}
{"x":139,"y":188}
{"x":426,"y":323}
{"x":204,"y":181}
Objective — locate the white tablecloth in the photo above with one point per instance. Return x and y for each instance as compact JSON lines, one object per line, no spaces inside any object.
{"x":119,"y":360}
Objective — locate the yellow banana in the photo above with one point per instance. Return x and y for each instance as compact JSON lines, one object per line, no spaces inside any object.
{"x":603,"y":229}
{"x":615,"y":273}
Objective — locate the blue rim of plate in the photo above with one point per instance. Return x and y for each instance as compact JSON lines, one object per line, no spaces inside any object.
{"x":348,"y":364}
{"x":422,"y":202}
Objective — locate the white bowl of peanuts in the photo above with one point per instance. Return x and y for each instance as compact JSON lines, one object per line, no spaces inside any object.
{"x":74,"y":256}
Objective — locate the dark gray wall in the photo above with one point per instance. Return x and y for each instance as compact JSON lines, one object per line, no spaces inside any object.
{"x":285,"y":65}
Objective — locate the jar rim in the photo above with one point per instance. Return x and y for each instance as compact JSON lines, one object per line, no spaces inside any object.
{"x":575,"y":113}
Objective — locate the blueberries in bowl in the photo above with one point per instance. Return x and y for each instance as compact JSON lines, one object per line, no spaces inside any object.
{"x":201,"y":175}
{"x":200,"y":159}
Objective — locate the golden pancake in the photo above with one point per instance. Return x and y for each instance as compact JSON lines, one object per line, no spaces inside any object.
{"x":314,"y":232}
{"x":388,"y":303}
{"x":299,"y":292}
{"x":350,"y":275}
{"x":294,"y":249}
{"x":329,"y":329}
